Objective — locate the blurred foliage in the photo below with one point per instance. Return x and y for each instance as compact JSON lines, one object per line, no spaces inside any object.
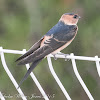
{"x":23,"y":22}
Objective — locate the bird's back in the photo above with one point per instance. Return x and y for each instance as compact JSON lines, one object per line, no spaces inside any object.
{"x":62,"y":32}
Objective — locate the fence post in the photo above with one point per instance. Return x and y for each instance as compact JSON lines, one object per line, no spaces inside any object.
{"x":57,"y":79}
{"x":79,"y":78}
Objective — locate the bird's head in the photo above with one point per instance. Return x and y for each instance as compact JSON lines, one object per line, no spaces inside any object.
{"x":70,"y":18}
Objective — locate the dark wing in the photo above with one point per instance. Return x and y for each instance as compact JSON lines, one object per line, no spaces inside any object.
{"x":60,"y":35}
{"x":50,"y":46}
{"x":31,"y":50}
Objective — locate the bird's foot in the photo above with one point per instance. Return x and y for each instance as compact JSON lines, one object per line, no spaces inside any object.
{"x":66,"y":59}
{"x":60,"y":53}
{"x":55,"y":58}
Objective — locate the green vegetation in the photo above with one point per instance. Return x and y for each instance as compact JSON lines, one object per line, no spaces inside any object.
{"x":23,"y":22}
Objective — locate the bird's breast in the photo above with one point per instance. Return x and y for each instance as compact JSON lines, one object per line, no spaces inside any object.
{"x":64,"y":46}
{"x":61,"y":48}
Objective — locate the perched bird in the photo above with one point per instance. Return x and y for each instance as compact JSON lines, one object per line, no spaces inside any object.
{"x":55,"y":40}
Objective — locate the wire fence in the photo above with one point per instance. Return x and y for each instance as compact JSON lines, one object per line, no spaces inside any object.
{"x":73,"y":60}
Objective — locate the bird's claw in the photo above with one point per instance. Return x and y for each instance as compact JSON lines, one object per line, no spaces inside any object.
{"x":55,"y":58}
{"x":66,"y":59}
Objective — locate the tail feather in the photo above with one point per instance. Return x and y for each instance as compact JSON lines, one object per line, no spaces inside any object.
{"x":33,"y":65}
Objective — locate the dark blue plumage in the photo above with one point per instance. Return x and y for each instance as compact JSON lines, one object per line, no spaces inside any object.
{"x":55,"y":40}
{"x":61,"y":31}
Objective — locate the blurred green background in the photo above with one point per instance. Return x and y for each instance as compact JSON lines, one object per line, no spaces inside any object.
{"x":23,"y":22}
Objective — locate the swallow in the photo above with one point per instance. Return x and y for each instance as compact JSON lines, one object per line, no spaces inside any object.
{"x":55,"y":40}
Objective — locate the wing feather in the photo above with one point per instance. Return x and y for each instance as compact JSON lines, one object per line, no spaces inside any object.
{"x":59,"y":36}
{"x":40,"y":53}
{"x":31,"y":50}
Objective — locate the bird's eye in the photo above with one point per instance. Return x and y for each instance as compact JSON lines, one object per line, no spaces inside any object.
{"x":75,"y":16}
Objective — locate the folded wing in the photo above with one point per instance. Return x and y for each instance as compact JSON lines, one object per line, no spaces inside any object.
{"x":31,"y":50}
{"x":50,"y":46}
